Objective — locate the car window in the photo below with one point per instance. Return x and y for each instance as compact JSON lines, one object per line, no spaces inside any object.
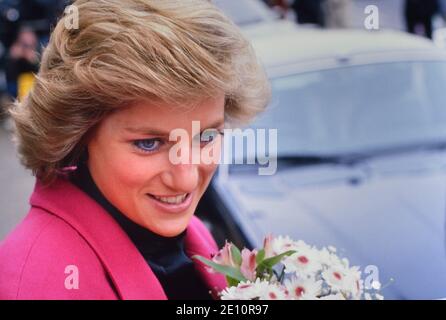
{"x":356,"y":108}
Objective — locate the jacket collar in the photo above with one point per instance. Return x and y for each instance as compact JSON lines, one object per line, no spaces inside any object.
{"x":129,"y":272}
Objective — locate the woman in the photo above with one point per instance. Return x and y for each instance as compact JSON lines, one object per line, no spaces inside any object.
{"x":112,"y":215}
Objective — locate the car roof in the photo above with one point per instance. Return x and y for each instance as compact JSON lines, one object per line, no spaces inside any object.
{"x":306,"y":46}
{"x":246,"y":12}
{"x":269,"y":29}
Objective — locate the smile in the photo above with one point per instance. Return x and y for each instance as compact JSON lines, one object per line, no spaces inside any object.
{"x":172,"y":204}
{"x":172,"y":199}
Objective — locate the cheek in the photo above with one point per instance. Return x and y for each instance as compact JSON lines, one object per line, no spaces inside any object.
{"x":121,"y":171}
{"x":136,"y":172}
{"x":207,"y":171}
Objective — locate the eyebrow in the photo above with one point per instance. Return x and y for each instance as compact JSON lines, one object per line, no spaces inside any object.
{"x":160,"y":132}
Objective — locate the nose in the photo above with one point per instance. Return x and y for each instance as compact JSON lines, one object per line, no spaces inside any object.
{"x":182,"y":178}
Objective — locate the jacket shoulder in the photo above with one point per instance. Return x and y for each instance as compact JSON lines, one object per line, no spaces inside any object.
{"x":45,"y":258}
{"x":198,"y":224}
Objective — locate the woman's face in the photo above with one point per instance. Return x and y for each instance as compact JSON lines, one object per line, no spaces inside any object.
{"x":129,"y":161}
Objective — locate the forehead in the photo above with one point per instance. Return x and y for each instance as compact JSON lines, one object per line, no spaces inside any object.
{"x":168,"y":116}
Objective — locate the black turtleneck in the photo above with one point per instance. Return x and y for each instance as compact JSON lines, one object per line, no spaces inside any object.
{"x":165,"y":256}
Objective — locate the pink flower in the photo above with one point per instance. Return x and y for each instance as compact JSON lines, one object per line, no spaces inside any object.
{"x":268,"y":246}
{"x":224,"y":256}
{"x":248,"y":267}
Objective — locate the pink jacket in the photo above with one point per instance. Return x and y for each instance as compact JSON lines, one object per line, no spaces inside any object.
{"x":68,"y":247}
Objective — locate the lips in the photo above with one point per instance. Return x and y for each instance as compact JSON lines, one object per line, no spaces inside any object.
{"x":173,"y":203}
{"x":170,"y":199}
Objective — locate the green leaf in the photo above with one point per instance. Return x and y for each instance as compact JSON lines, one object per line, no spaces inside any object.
{"x":226,"y":270}
{"x":260,"y":256}
{"x":236,"y":255}
{"x":232,"y":282}
{"x":271,"y":262}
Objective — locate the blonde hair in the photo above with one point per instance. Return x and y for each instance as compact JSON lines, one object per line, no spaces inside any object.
{"x":126,"y":51}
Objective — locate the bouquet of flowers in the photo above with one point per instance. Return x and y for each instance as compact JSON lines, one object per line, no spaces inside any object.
{"x":285,"y":269}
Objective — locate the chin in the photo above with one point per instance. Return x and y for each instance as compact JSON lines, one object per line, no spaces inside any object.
{"x":168,"y":228}
{"x":169,"y":232}
{"x":165,"y":224}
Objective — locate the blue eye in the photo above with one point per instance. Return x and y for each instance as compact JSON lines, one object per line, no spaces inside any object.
{"x":209,"y":135}
{"x":147,"y":145}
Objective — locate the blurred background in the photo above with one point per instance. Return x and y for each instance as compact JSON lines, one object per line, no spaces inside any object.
{"x":361,"y":119}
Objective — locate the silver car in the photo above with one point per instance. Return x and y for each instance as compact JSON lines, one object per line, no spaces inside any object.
{"x":361,"y":120}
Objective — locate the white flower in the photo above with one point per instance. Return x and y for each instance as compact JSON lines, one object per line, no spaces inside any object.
{"x":345,"y":262}
{"x":303,"y":288}
{"x":353,"y":283}
{"x":282,"y":244}
{"x":335,"y":278}
{"x":310,"y":274}
{"x":332,"y":249}
{"x":336,"y":296}
{"x":274,"y":292}
{"x":328,"y":258}
{"x":346,"y":280}
{"x":305,"y":262}
{"x":246,"y":290}
{"x":374,"y":296}
{"x":376,"y":285}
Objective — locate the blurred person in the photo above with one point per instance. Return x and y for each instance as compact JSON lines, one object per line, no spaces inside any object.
{"x":109,"y":205}
{"x":9,"y":21}
{"x":420,"y":13}
{"x":21,"y":63}
{"x":309,"y":12}
{"x":40,"y":15}
{"x":281,"y":6}
{"x":337,"y":13}
{"x":49,"y":12}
